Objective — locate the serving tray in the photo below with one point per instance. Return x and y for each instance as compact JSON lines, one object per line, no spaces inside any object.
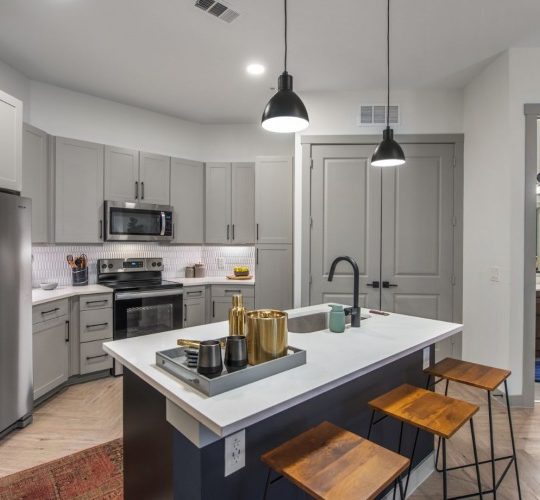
{"x":174,"y":361}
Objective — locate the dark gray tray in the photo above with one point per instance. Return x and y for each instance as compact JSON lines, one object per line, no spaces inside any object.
{"x":174,"y":361}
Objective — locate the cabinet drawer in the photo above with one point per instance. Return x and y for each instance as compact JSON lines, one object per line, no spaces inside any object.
{"x":96,"y":325}
{"x":50,"y":310}
{"x":93,"y":358}
{"x":97,"y":301}
{"x":194,"y":292}
{"x":232,"y":289}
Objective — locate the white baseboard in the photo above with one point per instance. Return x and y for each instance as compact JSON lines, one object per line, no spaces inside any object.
{"x":418,"y":475}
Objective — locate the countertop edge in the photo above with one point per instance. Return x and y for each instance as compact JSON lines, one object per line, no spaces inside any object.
{"x":67,"y":292}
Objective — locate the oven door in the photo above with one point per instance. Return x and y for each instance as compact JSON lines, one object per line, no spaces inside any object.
{"x":125,"y":221}
{"x":145,"y":312}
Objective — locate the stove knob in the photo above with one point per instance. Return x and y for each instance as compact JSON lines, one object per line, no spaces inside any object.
{"x":110,"y":266}
{"x":153,"y":264}
{"x":159,"y":264}
{"x":103,"y":266}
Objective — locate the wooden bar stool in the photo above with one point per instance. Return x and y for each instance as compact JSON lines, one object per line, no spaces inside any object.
{"x":488,"y":379}
{"x":431,"y":412}
{"x":330,"y":463}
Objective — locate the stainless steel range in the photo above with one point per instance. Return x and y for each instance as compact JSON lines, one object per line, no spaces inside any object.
{"x":144,"y":303}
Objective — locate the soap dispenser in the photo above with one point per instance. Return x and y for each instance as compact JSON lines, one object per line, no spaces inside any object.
{"x":237,"y":316}
{"x":337,"y":319}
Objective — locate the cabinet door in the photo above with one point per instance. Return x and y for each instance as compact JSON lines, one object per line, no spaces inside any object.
{"x":10,"y":142}
{"x":274,"y":200}
{"x":50,"y":355}
{"x":35,"y":180}
{"x":273,"y":277}
{"x":155,"y":177}
{"x":243,"y":203}
{"x":79,"y":191}
{"x":187,"y":199}
{"x":220,"y":309}
{"x":121,"y":174}
{"x":218,"y":203}
{"x":194,"y":312}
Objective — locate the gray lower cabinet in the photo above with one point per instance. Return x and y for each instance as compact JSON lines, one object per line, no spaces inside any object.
{"x":274,"y":195}
{"x":50,"y":349}
{"x":95,"y":327}
{"x":78,"y":191}
{"x":194,"y":306}
{"x":230,"y":203}
{"x":187,"y":200}
{"x":154,"y":178}
{"x":274,"y":283}
{"x":35,"y":178}
{"x":121,"y":174}
{"x":221,"y":300}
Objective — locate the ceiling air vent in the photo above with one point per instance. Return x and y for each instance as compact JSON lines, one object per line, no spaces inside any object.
{"x":375,"y":114}
{"x":217,"y":9}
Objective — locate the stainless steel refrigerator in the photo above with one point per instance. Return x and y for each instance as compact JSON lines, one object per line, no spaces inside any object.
{"x":15,"y":312}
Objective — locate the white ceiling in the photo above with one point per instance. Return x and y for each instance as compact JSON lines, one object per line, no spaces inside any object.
{"x":169,"y":56}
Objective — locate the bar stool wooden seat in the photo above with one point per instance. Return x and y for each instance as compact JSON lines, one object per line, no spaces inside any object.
{"x":489,"y":379}
{"x":439,"y":415}
{"x":330,"y":463}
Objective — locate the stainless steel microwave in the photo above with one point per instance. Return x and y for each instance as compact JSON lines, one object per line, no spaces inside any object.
{"x":126,"y":221}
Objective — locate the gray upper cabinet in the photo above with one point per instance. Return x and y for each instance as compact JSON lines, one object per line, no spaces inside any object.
{"x":187,"y":199}
{"x":154,"y":177}
{"x":35,"y":178}
{"x":243,"y":203}
{"x":230,"y":203}
{"x":274,"y":277}
{"x":10,"y":142}
{"x":274,"y":200}
{"x":78,"y":191}
{"x":218,"y":203}
{"x":121,"y":174}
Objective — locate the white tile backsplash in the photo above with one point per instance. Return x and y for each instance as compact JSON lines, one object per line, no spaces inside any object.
{"x":49,"y":261}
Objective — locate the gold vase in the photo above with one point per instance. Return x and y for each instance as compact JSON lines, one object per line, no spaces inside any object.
{"x":266,"y":335}
{"x":237,"y":316}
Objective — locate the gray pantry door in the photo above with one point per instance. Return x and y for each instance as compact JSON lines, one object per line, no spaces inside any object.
{"x":346,"y":220}
{"x":417,"y":233}
{"x":396,"y":223}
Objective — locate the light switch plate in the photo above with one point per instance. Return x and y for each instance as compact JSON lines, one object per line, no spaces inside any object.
{"x":235,"y":452}
{"x":425,"y":364}
{"x":495,"y":274}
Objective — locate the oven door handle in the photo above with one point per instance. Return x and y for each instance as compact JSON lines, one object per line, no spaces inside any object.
{"x":147,"y":295}
{"x":162,"y":232}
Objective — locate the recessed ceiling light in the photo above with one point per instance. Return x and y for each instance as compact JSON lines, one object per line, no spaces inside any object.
{"x":255,"y":69}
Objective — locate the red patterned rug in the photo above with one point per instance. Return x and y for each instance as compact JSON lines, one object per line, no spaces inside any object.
{"x":89,"y":474}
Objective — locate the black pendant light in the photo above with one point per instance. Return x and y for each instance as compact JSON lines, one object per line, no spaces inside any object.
{"x":388,"y":152}
{"x":285,"y":111}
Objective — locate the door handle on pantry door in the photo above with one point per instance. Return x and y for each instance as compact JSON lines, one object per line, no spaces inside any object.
{"x":374,"y":284}
{"x":387,"y":284}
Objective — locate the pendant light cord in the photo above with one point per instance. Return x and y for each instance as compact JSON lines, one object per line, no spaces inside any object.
{"x":285,"y":62}
{"x":387,"y":64}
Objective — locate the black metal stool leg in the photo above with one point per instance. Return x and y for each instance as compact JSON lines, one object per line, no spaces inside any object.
{"x":411,"y":464}
{"x":439,"y":442}
{"x":476,"y":464}
{"x":371,"y":423}
{"x":512,"y":437}
{"x":445,"y":485}
{"x":398,"y":480}
{"x":492,"y":446}
{"x":267,"y":484}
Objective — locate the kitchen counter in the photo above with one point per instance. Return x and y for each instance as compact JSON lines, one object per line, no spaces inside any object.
{"x":174,"y":444}
{"x":40,"y":296}
{"x":211,"y":280}
{"x":332,"y":360}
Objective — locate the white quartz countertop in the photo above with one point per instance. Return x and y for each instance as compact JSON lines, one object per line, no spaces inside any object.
{"x":332,"y":360}
{"x":40,"y":296}
{"x":211,"y":280}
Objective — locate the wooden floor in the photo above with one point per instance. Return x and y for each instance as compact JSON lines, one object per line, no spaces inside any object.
{"x":80,"y":417}
{"x":89,"y":414}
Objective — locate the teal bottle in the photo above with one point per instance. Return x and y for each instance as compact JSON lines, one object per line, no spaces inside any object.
{"x":337,"y":319}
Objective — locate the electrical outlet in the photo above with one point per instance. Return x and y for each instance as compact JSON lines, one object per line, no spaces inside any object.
{"x":235,"y":452}
{"x":220,"y":263}
{"x":495,"y":274}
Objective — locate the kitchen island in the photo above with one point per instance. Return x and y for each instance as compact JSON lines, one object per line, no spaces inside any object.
{"x":173,"y":435}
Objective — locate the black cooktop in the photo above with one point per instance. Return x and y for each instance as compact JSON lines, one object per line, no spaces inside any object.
{"x":140,"y":285}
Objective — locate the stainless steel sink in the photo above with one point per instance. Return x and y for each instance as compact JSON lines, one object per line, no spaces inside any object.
{"x":313,"y":322}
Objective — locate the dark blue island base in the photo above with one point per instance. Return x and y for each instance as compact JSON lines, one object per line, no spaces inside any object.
{"x":159,"y":462}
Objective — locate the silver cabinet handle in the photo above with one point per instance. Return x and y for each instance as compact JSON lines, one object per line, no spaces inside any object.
{"x":136,"y":189}
{"x":101,"y":229}
{"x":227,"y":232}
{"x":50,"y":311}
{"x":68,"y":331}
{"x":185,"y":313}
{"x":233,"y":232}
{"x":88,"y":358}
{"x":88,"y":302}
{"x":96,"y":325}
{"x":257,"y":231}
{"x":257,"y":256}
{"x":233,"y":291}
{"x":213,"y":309}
